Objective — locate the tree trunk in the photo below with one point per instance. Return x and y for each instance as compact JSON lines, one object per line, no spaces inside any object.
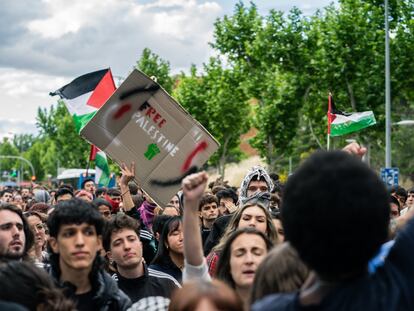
{"x":314,"y":136}
{"x":223,"y":157}
{"x":351,"y":95}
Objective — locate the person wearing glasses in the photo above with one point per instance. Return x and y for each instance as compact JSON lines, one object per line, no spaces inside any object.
{"x":37,"y":221}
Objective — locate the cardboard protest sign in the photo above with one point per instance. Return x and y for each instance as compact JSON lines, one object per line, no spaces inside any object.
{"x":140,"y":122}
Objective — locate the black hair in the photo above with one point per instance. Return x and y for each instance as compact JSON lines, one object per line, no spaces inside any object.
{"x":67,"y":186}
{"x":74,"y":211}
{"x":395,"y":201}
{"x":101,"y":190}
{"x":118,"y":222}
{"x":29,"y":236}
{"x":133,"y":188}
{"x":111,"y":192}
{"x":223,"y":271}
{"x":159,"y":222}
{"x":335,"y":213}
{"x":63,"y":191}
{"x":7,"y":190}
{"x":227,"y":193}
{"x":207,"y":198}
{"x":411,"y":190}
{"x":85,"y":181}
{"x":31,"y":287}
{"x":99,"y":201}
{"x":163,"y":253}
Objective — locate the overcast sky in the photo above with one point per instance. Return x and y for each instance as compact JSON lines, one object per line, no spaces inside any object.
{"x":45,"y":44}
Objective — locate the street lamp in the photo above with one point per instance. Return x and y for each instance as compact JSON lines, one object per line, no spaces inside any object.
{"x":404,"y":122}
{"x":387,"y":92}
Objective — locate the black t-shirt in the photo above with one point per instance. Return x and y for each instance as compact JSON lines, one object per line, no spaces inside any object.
{"x":390,"y":288}
{"x":145,"y":286}
{"x":84,"y":302}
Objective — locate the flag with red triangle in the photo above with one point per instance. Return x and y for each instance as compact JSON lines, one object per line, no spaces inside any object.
{"x":86,"y":94}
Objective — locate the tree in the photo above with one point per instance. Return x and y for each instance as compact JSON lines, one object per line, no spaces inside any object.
{"x":152,"y":65}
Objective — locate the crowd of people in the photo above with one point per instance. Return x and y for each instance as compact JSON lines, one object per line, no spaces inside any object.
{"x":332,"y":238}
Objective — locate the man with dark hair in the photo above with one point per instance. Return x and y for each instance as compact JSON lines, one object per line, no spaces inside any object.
{"x":16,"y":238}
{"x":89,"y":185}
{"x":400,"y":193}
{"x":336,"y":230}
{"x":122,"y":243}
{"x":63,"y":194}
{"x":6,"y":196}
{"x":75,"y":229}
{"x":101,"y":192}
{"x":208,"y":212}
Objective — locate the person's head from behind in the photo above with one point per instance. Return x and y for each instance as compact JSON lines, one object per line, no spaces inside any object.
{"x":199,"y":296}
{"x":242,"y":253}
{"x":104,"y":208}
{"x":400,"y":193}
{"x":75,"y":229}
{"x":158,"y":225}
{"x":27,"y":285}
{"x":63,"y":194}
{"x":16,"y":237}
{"x":335,"y":214}
{"x":227,"y":200}
{"x":171,"y":240}
{"x":281,"y":271}
{"x":101,"y":192}
{"x":122,"y":243}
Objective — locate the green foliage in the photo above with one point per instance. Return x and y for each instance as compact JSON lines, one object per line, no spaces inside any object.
{"x":152,"y":65}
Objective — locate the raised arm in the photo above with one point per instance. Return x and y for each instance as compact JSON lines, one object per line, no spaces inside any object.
{"x":193,"y":189}
{"x":126,"y":177}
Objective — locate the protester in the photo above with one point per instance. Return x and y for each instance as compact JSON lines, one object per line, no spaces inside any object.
{"x":227,"y":201}
{"x":336,"y":234}
{"x":37,"y":221}
{"x":6,"y":196}
{"x":89,"y":185}
{"x":121,"y":241}
{"x":31,"y":287}
{"x":209,"y":212}
{"x":85,"y":195}
{"x":16,"y":237}
{"x":241,"y":254}
{"x":253,"y":214}
{"x":170,"y":257}
{"x":256,"y":181}
{"x":104,"y":208}
{"x":170,"y":210}
{"x":75,"y":229}
{"x":63,"y":194}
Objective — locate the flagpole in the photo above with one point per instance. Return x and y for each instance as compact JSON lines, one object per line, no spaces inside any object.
{"x":328,"y":140}
{"x":91,"y":154}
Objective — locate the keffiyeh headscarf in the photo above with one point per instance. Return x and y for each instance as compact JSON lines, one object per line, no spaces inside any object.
{"x":257,"y":171}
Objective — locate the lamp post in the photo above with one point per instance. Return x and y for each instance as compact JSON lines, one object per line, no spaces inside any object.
{"x":387,"y":93}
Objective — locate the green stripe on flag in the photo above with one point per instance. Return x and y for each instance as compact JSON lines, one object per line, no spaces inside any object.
{"x":82,"y":120}
{"x":338,"y":129}
{"x":101,"y":164}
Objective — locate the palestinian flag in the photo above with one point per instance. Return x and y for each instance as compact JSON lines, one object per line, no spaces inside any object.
{"x":86,"y":94}
{"x":341,"y":123}
{"x":102,"y":172}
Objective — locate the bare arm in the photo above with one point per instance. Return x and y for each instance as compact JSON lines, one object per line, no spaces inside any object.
{"x":126,"y":177}
{"x":193,"y":189}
